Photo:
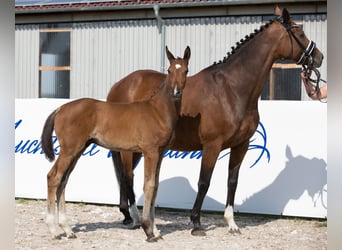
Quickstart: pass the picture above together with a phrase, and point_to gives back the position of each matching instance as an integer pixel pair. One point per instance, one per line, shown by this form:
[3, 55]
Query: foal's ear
[187, 53]
[169, 54]
[277, 11]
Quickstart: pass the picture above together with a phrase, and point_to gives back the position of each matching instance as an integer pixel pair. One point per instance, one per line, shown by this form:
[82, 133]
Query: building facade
[81, 49]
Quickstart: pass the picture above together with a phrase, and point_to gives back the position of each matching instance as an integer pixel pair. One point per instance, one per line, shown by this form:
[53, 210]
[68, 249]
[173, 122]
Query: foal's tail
[46, 138]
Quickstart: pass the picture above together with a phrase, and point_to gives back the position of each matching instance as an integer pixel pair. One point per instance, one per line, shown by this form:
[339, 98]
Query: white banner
[284, 171]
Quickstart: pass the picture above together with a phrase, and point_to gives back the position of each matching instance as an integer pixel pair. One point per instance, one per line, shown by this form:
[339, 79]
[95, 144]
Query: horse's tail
[46, 138]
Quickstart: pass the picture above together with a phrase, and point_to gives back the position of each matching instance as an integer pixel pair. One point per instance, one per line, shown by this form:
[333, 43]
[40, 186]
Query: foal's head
[177, 72]
[301, 49]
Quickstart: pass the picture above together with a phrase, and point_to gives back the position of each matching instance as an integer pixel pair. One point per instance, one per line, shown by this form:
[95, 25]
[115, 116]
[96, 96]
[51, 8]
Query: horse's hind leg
[236, 156]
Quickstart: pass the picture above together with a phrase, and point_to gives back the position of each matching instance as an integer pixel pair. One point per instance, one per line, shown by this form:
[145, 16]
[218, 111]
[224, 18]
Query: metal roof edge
[139, 6]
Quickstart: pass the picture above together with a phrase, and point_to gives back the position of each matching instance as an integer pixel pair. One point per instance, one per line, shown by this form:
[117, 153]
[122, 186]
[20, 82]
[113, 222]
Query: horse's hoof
[72, 236]
[127, 221]
[154, 238]
[198, 232]
[136, 226]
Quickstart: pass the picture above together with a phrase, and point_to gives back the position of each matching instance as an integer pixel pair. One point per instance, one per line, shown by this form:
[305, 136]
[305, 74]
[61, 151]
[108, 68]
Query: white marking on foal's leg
[156, 232]
[229, 217]
[50, 220]
[135, 214]
[63, 222]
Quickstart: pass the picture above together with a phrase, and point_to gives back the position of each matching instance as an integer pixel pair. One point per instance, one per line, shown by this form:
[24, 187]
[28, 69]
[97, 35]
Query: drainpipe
[161, 29]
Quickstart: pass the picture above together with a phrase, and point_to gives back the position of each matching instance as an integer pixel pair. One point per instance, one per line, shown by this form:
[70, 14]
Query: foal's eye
[169, 71]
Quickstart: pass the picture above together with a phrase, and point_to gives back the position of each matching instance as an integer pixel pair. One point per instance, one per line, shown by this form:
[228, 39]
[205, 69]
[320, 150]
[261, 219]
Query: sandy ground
[100, 227]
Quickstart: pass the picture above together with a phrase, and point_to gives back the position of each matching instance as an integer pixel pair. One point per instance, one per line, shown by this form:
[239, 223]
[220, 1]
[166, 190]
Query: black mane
[243, 41]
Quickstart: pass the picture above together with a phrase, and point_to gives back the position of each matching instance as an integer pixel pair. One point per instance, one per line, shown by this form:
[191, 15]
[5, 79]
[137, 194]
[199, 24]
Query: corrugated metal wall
[104, 52]
[26, 61]
[209, 38]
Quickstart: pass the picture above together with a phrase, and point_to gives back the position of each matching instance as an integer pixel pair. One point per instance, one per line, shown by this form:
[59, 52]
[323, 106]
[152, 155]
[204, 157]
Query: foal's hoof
[72, 236]
[56, 237]
[154, 238]
[234, 230]
[127, 221]
[198, 232]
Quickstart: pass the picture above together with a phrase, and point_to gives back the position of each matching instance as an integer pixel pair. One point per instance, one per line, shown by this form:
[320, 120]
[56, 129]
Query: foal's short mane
[245, 40]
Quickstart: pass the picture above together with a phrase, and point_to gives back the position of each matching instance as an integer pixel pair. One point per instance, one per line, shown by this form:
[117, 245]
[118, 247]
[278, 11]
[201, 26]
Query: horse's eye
[169, 71]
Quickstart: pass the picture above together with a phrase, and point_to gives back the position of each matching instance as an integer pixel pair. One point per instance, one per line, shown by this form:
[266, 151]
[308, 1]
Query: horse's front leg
[123, 165]
[209, 157]
[151, 178]
[236, 156]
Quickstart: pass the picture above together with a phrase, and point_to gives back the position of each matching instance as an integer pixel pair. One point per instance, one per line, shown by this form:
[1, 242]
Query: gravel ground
[100, 227]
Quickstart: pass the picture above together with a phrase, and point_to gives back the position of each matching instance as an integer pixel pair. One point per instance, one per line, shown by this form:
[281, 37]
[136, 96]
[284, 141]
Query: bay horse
[220, 105]
[145, 126]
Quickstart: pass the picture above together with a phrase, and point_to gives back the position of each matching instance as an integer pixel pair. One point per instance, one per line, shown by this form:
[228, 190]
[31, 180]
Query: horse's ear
[277, 11]
[187, 53]
[289, 154]
[286, 16]
[169, 54]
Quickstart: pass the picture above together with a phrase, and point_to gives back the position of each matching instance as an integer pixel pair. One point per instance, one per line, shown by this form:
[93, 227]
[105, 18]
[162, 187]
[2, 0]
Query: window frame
[42, 68]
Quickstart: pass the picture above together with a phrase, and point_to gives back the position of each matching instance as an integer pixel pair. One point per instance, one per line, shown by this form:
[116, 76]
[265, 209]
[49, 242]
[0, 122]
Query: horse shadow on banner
[299, 175]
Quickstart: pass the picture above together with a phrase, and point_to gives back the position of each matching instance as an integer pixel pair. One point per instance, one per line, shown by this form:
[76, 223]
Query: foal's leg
[151, 160]
[236, 156]
[54, 179]
[210, 154]
[152, 214]
[62, 218]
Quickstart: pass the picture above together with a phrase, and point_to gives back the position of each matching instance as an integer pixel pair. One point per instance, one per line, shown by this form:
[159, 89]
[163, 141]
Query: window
[54, 65]
[283, 83]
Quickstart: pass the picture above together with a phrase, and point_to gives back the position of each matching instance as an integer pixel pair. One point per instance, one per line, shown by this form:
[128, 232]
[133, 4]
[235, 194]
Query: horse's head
[295, 45]
[177, 72]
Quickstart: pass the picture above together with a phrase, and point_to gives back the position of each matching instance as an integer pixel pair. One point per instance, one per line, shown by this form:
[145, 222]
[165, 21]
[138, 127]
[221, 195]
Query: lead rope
[316, 81]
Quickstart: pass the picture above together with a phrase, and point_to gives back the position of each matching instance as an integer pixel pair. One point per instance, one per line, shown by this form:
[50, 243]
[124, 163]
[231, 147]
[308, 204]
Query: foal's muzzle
[176, 93]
